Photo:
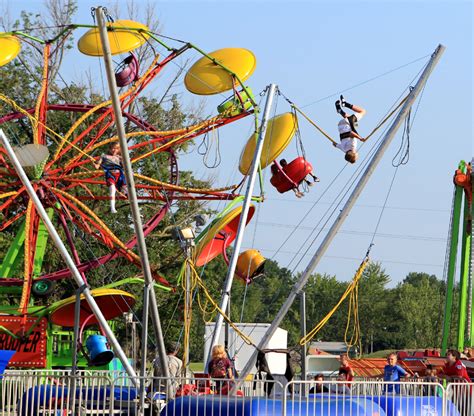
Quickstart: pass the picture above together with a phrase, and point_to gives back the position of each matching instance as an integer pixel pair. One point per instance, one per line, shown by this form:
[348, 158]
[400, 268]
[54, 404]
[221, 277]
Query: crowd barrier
[60, 393]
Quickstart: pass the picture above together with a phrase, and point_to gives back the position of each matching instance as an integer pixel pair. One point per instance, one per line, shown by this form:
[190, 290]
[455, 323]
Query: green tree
[374, 312]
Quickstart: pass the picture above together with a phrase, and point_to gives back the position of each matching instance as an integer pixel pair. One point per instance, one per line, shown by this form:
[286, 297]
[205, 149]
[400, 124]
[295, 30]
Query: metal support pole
[389, 135]
[304, 348]
[149, 293]
[471, 266]
[188, 303]
[67, 258]
[271, 89]
[453, 251]
[464, 286]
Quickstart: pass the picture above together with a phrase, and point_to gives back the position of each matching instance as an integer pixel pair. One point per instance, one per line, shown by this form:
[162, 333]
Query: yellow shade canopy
[120, 37]
[112, 302]
[220, 235]
[206, 77]
[10, 47]
[280, 131]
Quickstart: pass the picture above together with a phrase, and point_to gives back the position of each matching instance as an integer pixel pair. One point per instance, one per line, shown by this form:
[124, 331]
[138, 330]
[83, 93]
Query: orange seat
[291, 175]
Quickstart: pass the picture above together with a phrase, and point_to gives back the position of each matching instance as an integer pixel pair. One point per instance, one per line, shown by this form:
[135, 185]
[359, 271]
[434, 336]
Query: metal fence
[58, 393]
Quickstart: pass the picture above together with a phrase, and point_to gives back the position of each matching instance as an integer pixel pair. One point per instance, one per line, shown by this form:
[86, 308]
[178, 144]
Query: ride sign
[30, 349]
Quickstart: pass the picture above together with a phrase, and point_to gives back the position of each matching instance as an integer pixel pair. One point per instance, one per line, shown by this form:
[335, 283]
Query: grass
[196, 367]
[379, 354]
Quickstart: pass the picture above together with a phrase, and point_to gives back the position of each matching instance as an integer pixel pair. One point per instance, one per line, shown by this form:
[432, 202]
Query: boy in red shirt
[345, 367]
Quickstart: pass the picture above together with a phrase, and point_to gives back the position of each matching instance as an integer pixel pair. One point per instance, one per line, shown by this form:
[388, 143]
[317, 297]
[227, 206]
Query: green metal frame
[460, 205]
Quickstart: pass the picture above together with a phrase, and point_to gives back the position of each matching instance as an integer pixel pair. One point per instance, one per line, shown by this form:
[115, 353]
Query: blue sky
[313, 51]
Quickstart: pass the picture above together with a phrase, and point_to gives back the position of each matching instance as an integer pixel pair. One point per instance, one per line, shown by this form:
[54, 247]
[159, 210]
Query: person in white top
[347, 129]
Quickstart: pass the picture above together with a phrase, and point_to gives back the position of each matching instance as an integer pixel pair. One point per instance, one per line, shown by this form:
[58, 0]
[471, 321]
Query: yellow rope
[244, 337]
[34, 120]
[7, 194]
[183, 188]
[314, 124]
[23, 307]
[353, 317]
[370, 134]
[168, 144]
[386, 118]
[113, 237]
[352, 286]
[44, 84]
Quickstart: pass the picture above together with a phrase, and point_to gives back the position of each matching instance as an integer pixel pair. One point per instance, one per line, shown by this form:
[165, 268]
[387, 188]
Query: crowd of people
[453, 370]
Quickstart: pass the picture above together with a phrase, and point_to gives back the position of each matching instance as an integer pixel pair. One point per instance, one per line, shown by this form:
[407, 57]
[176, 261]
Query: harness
[352, 119]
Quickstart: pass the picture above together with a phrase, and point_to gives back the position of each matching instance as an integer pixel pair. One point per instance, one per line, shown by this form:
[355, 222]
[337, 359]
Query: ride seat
[291, 175]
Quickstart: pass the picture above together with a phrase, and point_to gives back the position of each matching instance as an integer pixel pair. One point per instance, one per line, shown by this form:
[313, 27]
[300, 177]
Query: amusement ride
[57, 145]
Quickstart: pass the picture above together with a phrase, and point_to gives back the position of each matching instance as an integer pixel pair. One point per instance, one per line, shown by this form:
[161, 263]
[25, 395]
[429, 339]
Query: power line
[357, 258]
[365, 233]
[361, 205]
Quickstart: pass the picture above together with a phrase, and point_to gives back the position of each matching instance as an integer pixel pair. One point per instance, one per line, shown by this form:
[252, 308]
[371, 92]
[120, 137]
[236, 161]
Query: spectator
[466, 353]
[220, 367]
[455, 371]
[393, 372]
[344, 360]
[175, 366]
[454, 368]
[340, 388]
[430, 377]
[319, 386]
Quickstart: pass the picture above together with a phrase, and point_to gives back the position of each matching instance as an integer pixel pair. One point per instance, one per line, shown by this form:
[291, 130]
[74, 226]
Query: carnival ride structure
[60, 167]
[460, 241]
[59, 162]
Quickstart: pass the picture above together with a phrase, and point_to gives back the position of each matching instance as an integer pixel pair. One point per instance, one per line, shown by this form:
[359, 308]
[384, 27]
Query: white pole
[299, 285]
[243, 219]
[148, 294]
[67, 258]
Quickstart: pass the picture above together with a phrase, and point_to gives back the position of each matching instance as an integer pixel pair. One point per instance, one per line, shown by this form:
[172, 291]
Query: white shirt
[344, 126]
[174, 366]
[347, 144]
[351, 142]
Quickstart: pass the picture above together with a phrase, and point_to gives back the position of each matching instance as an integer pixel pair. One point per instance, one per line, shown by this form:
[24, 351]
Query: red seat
[202, 382]
[291, 175]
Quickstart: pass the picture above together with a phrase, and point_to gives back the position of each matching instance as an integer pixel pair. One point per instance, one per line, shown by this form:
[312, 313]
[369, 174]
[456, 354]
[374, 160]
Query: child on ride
[111, 162]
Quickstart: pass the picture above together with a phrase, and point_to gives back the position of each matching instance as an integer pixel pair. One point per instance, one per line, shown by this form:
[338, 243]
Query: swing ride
[60, 166]
[59, 159]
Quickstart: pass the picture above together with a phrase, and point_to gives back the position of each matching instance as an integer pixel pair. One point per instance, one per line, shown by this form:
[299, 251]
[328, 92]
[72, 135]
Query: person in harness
[347, 129]
[111, 162]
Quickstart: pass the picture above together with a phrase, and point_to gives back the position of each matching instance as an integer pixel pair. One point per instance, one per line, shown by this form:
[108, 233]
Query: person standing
[175, 366]
[220, 367]
[346, 368]
[393, 372]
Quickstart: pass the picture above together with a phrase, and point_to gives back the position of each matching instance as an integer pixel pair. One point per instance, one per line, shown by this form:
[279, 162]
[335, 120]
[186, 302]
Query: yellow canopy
[10, 47]
[280, 131]
[206, 77]
[121, 40]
